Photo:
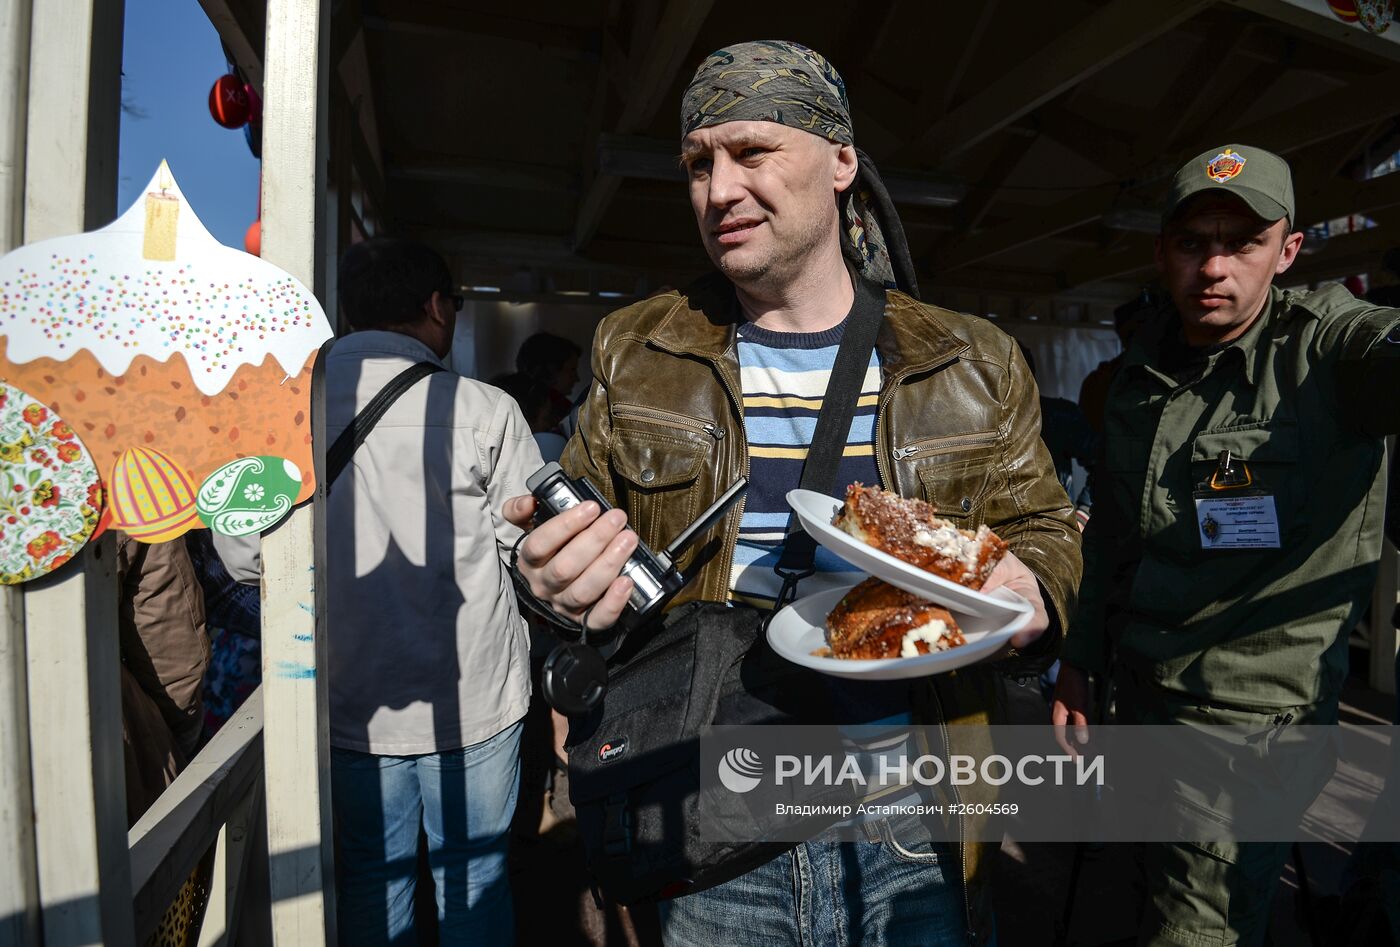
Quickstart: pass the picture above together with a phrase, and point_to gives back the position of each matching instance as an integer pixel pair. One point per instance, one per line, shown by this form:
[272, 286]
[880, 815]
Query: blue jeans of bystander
[464, 800]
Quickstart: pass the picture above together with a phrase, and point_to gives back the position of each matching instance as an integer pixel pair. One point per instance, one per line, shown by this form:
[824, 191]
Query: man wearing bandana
[694, 389]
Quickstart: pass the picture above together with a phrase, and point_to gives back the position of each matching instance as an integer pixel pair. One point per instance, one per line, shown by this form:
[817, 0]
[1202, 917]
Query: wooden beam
[234, 22]
[232, 857]
[296, 745]
[1329, 115]
[984, 191]
[175, 832]
[948, 95]
[1085, 207]
[70, 616]
[1099, 40]
[1133, 255]
[1315, 19]
[1215, 61]
[1341, 255]
[1099, 145]
[427, 19]
[71, 644]
[14, 111]
[653, 67]
[19, 894]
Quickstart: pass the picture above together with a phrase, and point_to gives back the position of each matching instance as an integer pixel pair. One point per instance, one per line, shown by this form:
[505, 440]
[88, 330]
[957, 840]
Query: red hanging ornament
[228, 102]
[1344, 10]
[254, 103]
[252, 240]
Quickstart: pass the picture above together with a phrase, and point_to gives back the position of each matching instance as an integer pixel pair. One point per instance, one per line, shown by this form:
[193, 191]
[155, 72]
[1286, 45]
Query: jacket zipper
[942, 445]
[668, 419]
[962, 825]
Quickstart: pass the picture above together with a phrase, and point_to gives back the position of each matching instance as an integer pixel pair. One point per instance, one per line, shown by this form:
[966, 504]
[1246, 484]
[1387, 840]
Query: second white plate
[800, 628]
[815, 510]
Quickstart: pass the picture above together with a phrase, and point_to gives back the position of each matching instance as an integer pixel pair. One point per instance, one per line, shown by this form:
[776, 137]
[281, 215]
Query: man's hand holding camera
[572, 561]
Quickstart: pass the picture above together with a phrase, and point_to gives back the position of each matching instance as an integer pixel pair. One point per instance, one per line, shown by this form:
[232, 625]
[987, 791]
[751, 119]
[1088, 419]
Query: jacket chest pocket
[1270, 449]
[656, 457]
[957, 474]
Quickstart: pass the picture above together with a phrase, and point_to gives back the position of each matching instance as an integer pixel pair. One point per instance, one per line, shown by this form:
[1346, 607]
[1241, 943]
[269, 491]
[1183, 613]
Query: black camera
[575, 675]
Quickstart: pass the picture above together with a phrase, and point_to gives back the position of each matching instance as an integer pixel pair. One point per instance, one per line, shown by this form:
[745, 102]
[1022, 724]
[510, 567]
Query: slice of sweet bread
[912, 531]
[877, 620]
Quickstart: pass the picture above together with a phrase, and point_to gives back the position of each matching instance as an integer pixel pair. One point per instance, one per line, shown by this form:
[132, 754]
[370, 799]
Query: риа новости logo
[740, 770]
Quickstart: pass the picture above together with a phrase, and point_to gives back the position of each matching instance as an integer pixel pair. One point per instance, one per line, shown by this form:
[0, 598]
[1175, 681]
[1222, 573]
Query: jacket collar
[368, 343]
[1246, 350]
[703, 323]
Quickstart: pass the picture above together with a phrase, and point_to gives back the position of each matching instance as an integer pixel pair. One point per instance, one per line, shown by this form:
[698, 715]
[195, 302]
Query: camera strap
[355, 433]
[833, 426]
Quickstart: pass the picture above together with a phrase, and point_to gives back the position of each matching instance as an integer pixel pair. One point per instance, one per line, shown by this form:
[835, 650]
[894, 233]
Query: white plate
[815, 510]
[798, 630]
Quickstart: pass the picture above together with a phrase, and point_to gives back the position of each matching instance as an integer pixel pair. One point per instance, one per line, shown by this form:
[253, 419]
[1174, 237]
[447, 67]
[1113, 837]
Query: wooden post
[296, 744]
[19, 892]
[1384, 598]
[70, 635]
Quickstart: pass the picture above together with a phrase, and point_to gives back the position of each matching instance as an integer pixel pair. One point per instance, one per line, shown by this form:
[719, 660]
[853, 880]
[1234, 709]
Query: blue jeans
[895, 887]
[464, 800]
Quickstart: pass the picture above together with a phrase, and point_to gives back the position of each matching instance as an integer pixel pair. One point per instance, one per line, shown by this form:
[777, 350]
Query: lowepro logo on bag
[612, 750]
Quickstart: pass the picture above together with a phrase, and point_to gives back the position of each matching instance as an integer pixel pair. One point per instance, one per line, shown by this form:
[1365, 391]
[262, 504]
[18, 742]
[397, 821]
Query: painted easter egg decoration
[152, 497]
[50, 492]
[1376, 14]
[248, 495]
[1344, 10]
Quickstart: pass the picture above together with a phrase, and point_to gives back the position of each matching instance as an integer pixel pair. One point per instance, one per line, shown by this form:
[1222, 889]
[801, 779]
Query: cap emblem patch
[1224, 166]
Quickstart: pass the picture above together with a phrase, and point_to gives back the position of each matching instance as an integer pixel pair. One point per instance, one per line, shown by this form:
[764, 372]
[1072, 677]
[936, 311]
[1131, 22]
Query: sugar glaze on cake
[911, 531]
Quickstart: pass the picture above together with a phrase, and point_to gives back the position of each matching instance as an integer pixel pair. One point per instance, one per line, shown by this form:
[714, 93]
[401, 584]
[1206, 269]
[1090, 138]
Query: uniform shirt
[1303, 397]
[427, 649]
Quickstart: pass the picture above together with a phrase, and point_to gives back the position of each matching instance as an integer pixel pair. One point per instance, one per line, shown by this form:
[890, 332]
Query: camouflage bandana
[789, 84]
[769, 81]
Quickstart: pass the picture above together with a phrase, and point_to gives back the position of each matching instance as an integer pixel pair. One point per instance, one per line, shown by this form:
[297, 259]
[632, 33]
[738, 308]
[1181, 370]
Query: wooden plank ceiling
[1027, 143]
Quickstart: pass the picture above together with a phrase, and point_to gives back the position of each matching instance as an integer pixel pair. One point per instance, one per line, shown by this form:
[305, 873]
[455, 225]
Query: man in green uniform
[1237, 518]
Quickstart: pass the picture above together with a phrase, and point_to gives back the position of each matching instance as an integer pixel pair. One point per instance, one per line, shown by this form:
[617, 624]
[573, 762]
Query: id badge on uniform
[1232, 511]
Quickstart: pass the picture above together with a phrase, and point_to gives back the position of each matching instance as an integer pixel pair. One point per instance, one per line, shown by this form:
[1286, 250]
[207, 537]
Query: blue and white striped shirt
[784, 377]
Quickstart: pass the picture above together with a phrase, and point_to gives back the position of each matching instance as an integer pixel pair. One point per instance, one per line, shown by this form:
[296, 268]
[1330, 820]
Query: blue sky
[171, 57]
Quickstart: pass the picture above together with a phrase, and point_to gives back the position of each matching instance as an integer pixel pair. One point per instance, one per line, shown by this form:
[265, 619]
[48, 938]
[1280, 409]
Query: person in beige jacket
[429, 657]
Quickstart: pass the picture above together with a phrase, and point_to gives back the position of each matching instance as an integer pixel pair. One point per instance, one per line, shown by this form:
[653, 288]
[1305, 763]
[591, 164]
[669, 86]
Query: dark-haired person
[551, 360]
[1237, 526]
[429, 657]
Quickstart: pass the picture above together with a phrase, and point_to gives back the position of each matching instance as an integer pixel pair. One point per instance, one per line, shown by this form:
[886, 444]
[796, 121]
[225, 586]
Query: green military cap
[1259, 178]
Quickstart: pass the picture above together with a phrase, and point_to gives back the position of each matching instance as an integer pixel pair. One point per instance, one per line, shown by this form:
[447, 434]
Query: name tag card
[1239, 522]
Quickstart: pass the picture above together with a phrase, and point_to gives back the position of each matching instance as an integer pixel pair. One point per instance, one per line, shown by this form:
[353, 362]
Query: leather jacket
[957, 424]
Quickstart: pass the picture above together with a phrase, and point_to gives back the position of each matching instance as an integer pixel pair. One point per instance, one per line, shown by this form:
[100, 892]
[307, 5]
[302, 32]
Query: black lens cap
[575, 678]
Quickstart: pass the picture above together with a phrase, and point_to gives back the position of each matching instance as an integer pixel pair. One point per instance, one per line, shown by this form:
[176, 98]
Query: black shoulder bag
[634, 762]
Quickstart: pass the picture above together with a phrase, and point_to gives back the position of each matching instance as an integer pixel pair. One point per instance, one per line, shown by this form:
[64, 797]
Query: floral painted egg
[248, 495]
[152, 497]
[1376, 14]
[50, 491]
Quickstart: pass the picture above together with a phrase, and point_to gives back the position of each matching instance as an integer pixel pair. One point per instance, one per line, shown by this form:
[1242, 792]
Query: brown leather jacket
[957, 424]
